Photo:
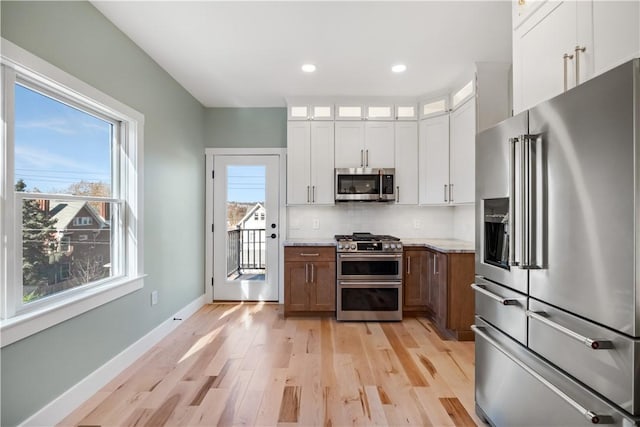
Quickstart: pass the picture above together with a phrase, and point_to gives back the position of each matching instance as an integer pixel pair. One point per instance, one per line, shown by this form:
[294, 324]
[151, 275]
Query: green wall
[246, 127]
[75, 37]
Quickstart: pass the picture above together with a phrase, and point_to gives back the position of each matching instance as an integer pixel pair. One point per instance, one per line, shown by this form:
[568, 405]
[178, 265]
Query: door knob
[273, 226]
[273, 235]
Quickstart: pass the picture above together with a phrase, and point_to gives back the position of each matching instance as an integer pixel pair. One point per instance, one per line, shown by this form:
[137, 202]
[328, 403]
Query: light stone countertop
[441, 245]
[311, 241]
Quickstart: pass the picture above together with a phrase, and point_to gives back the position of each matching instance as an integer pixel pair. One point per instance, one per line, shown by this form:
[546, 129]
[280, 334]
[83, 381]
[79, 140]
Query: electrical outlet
[154, 297]
[417, 223]
[316, 223]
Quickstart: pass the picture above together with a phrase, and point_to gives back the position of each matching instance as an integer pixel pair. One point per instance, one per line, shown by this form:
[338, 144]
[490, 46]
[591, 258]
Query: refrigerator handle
[524, 201]
[513, 260]
[534, 202]
[588, 414]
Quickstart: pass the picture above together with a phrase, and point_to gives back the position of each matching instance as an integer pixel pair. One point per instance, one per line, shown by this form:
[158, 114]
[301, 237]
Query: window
[82, 220]
[463, 94]
[70, 158]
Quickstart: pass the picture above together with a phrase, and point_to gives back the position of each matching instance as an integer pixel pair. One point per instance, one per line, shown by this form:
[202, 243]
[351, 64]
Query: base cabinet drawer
[606, 361]
[514, 387]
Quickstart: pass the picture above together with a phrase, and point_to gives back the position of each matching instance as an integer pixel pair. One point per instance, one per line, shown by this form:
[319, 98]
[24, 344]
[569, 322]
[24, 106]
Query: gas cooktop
[365, 237]
[367, 243]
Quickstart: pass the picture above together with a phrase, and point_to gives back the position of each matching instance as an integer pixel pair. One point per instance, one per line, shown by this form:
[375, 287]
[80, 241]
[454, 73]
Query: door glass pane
[246, 220]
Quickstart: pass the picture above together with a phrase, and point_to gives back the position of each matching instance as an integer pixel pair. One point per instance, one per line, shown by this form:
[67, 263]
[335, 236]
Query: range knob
[339, 246]
[392, 246]
[353, 246]
[385, 246]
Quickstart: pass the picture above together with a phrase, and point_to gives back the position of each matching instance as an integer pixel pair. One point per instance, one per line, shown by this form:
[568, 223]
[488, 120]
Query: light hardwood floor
[245, 364]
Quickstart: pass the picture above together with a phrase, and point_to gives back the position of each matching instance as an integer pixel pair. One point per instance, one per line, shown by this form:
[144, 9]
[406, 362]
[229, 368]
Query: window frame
[16, 321]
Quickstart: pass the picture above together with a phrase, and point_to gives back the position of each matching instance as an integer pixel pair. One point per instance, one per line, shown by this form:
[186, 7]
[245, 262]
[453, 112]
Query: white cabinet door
[539, 47]
[462, 153]
[379, 145]
[434, 160]
[349, 144]
[406, 147]
[322, 157]
[298, 165]
[616, 33]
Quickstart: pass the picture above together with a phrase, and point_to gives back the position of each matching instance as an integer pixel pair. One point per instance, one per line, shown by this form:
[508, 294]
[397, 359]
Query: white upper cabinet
[349, 144]
[406, 155]
[434, 107]
[379, 145]
[560, 44]
[349, 112]
[379, 112]
[300, 111]
[406, 111]
[434, 160]
[310, 155]
[462, 153]
[362, 144]
[616, 33]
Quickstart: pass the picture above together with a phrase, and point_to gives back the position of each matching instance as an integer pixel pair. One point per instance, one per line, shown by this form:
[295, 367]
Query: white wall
[464, 223]
[400, 221]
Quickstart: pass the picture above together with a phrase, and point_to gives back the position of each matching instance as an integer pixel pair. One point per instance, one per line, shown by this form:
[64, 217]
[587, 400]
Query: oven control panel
[368, 247]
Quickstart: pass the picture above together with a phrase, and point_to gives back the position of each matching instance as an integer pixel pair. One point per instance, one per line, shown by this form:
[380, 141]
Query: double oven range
[369, 277]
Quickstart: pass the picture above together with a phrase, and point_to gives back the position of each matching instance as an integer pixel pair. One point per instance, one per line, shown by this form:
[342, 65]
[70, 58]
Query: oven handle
[359, 284]
[365, 256]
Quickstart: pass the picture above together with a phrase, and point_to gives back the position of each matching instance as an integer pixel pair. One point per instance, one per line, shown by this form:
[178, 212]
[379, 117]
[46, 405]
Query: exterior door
[246, 228]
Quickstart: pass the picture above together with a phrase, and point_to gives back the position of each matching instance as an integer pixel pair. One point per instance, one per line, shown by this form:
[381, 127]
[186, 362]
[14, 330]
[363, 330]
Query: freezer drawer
[606, 361]
[502, 307]
[516, 388]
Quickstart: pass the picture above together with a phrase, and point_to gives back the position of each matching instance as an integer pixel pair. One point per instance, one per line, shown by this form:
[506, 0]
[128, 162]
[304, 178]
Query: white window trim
[16, 327]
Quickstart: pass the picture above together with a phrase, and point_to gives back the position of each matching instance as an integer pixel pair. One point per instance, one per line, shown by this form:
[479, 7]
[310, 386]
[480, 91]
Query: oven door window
[358, 184]
[370, 299]
[356, 268]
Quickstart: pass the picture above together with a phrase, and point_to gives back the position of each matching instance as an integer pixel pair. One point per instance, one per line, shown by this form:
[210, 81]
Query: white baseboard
[59, 408]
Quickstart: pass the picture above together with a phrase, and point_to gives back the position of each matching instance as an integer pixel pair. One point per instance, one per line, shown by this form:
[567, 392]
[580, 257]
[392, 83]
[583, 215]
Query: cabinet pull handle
[565, 58]
[306, 273]
[445, 193]
[313, 194]
[578, 49]
[589, 415]
[408, 265]
[592, 343]
[435, 264]
[397, 193]
[308, 196]
[361, 158]
[366, 158]
[451, 192]
[304, 254]
[312, 273]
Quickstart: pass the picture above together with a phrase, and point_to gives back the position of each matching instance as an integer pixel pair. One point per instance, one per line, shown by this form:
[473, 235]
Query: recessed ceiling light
[399, 68]
[308, 68]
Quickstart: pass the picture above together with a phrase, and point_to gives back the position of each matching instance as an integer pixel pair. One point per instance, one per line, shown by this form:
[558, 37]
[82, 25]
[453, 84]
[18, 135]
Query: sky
[245, 183]
[57, 145]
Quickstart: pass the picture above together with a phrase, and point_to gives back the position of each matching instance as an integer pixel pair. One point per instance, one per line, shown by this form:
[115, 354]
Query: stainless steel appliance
[369, 277]
[558, 259]
[365, 185]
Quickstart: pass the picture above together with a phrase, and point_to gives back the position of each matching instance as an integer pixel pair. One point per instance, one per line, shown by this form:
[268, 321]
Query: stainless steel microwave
[365, 185]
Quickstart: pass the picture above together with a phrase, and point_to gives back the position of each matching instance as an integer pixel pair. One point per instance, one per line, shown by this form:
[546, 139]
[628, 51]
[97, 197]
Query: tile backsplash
[397, 220]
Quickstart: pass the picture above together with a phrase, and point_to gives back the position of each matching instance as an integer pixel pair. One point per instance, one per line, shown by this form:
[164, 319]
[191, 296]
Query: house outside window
[71, 156]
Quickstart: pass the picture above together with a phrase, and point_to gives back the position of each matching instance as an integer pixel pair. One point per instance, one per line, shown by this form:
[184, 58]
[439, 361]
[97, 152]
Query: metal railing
[245, 250]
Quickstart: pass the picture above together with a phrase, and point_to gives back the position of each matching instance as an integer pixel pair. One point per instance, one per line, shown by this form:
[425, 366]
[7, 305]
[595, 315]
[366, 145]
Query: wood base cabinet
[438, 284]
[309, 280]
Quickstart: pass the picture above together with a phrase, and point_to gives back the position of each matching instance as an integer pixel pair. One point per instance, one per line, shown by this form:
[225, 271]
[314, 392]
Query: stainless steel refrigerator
[558, 259]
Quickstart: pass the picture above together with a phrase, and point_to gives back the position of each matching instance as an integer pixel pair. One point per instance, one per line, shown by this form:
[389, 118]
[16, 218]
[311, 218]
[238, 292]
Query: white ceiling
[249, 54]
